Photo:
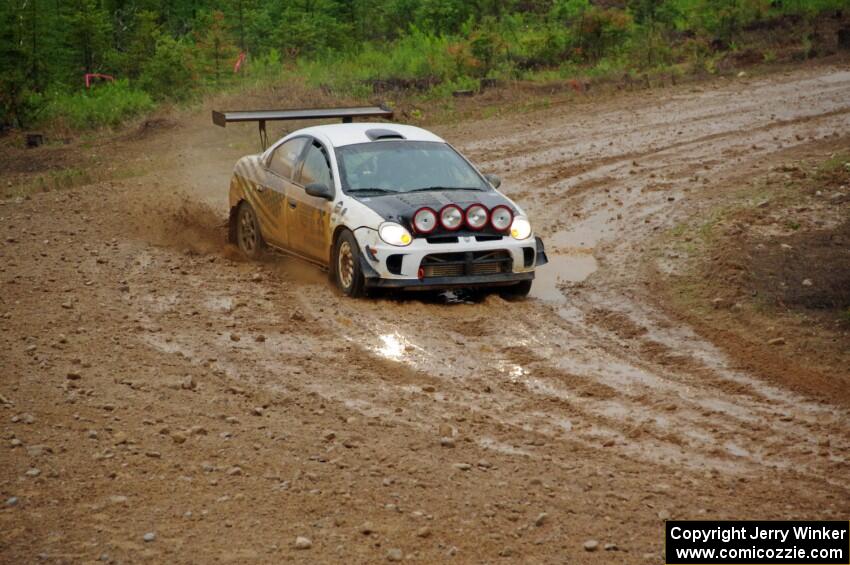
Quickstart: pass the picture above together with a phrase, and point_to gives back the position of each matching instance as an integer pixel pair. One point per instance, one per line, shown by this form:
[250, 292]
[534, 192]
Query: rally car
[380, 205]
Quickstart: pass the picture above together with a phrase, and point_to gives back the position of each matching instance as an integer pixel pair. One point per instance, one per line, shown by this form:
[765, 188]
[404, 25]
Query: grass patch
[103, 105]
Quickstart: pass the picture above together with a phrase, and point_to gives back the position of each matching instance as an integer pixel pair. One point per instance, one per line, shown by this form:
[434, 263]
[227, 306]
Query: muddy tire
[247, 232]
[516, 291]
[347, 273]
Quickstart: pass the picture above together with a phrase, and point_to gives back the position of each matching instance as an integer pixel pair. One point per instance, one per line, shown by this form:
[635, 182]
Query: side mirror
[494, 180]
[319, 190]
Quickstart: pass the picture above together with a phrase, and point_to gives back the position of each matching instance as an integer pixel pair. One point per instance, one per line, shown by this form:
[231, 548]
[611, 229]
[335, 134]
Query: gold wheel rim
[345, 265]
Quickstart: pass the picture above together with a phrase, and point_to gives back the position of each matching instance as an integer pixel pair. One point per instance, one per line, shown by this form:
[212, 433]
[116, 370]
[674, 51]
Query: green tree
[442, 16]
[311, 26]
[89, 33]
[12, 78]
[239, 15]
[214, 44]
[653, 17]
[724, 19]
[568, 11]
[142, 42]
[170, 73]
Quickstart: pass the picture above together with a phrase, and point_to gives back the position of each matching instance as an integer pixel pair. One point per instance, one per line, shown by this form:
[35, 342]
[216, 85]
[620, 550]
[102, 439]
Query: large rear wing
[263, 116]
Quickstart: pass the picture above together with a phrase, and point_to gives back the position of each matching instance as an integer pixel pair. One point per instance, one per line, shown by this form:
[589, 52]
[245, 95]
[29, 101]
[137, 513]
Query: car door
[308, 217]
[279, 170]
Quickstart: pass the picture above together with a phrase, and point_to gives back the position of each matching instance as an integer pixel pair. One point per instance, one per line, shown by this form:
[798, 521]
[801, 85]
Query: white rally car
[380, 205]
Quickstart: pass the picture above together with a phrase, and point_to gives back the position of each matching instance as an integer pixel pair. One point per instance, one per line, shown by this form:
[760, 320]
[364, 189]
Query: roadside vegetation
[179, 51]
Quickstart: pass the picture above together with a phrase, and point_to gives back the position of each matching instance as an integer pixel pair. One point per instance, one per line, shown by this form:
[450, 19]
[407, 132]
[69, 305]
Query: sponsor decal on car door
[308, 216]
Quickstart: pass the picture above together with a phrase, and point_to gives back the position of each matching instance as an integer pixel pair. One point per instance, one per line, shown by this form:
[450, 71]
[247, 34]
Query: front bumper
[465, 281]
[388, 266]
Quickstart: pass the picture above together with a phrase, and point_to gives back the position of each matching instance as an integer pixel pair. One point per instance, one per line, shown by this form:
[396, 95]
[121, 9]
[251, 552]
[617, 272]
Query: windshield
[405, 166]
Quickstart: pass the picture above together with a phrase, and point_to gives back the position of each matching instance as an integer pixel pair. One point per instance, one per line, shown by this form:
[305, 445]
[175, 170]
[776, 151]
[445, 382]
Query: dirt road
[156, 385]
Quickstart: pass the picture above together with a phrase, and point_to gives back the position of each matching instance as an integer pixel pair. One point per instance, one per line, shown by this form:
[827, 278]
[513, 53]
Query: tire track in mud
[634, 408]
[691, 113]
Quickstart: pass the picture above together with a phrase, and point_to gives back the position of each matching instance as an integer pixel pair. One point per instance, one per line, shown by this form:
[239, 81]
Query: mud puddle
[569, 262]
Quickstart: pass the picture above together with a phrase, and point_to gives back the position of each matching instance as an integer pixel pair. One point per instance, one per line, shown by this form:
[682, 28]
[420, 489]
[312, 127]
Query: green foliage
[214, 47]
[810, 7]
[12, 72]
[444, 15]
[141, 45]
[415, 56]
[266, 67]
[568, 11]
[88, 34]
[598, 31]
[546, 46]
[181, 49]
[310, 28]
[169, 74]
[725, 18]
[103, 105]
[652, 12]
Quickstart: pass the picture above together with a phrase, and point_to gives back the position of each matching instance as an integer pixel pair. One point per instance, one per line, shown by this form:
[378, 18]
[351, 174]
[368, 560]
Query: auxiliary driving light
[425, 220]
[476, 217]
[451, 217]
[501, 218]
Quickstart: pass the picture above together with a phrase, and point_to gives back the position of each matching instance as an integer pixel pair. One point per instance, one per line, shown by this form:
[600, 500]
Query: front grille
[468, 263]
[487, 269]
[443, 239]
[432, 271]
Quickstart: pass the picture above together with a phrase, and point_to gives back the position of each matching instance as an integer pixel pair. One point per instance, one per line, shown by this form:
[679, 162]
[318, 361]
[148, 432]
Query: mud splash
[177, 221]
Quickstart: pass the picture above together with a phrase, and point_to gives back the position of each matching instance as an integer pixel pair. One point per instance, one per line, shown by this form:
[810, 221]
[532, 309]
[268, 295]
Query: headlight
[394, 234]
[500, 217]
[520, 228]
[476, 216]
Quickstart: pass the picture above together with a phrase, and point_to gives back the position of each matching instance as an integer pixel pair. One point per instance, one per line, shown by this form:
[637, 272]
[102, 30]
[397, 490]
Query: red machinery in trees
[91, 77]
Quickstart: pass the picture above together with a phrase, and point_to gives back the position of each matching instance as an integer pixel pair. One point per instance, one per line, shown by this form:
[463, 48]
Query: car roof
[339, 135]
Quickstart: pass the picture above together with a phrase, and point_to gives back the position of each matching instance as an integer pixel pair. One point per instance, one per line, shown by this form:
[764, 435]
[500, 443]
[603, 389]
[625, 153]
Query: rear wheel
[346, 266]
[248, 236]
[516, 291]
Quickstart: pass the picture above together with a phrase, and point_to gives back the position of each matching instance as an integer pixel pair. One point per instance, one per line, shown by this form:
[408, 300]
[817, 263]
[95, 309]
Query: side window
[316, 167]
[285, 157]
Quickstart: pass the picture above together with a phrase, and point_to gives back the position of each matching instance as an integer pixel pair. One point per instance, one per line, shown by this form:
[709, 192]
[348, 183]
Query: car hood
[401, 207]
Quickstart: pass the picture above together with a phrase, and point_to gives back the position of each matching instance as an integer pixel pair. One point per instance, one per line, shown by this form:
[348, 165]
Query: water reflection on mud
[392, 346]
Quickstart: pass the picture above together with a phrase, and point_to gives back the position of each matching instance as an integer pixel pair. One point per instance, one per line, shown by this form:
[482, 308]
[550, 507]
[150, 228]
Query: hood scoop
[379, 134]
[417, 199]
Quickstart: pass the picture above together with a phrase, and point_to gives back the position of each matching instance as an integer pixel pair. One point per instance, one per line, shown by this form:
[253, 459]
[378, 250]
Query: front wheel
[516, 291]
[346, 266]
